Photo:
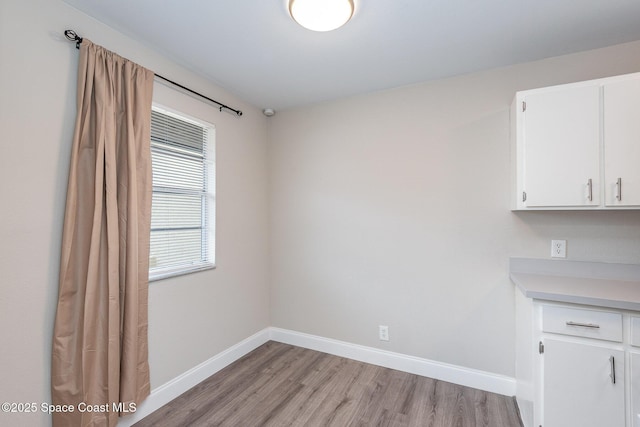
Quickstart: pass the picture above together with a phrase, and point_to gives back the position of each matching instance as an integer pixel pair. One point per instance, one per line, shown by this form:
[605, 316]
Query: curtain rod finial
[73, 37]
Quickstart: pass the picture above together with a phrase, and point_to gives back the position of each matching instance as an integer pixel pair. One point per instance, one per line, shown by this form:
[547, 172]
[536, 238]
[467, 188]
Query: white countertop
[598, 284]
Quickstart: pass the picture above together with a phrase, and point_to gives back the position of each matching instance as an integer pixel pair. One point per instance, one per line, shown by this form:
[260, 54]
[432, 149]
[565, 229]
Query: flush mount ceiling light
[321, 15]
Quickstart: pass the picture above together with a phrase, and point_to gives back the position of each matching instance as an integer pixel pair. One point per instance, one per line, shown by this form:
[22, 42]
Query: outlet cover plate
[558, 249]
[383, 333]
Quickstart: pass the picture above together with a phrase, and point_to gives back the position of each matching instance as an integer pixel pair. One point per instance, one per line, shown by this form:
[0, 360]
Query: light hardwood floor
[282, 385]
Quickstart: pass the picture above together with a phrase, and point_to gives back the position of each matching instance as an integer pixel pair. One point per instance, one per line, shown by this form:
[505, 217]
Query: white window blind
[182, 204]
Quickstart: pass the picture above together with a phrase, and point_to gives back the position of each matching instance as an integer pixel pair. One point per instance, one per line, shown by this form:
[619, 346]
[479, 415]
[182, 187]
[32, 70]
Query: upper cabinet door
[621, 107]
[561, 132]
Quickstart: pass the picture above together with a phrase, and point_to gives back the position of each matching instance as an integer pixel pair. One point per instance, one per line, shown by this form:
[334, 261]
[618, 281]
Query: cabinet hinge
[541, 347]
[524, 196]
[524, 106]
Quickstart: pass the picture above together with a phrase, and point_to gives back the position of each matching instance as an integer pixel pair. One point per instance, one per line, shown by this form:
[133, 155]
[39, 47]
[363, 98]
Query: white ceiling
[255, 50]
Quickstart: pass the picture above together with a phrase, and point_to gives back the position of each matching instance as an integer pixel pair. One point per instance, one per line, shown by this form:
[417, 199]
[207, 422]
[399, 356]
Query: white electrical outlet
[383, 333]
[558, 249]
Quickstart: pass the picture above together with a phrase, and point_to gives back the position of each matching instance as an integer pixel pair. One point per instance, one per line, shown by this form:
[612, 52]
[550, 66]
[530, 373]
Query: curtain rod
[74, 37]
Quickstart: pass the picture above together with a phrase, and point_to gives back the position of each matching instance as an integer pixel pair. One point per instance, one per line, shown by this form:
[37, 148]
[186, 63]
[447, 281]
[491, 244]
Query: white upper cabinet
[577, 146]
[621, 107]
[562, 147]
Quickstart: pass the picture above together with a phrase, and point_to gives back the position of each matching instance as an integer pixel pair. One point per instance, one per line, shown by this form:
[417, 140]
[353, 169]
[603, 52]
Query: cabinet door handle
[612, 375]
[583, 325]
[590, 188]
[619, 189]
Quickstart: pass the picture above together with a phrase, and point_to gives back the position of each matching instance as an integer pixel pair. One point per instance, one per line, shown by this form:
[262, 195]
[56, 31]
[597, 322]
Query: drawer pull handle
[612, 375]
[583, 325]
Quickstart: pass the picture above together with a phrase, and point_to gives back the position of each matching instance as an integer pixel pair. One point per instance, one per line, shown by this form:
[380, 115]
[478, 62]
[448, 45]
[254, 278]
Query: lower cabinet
[577, 366]
[634, 357]
[635, 389]
[583, 385]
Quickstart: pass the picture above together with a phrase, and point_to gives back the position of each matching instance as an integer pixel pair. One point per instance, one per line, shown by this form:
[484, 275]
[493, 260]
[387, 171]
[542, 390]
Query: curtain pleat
[100, 350]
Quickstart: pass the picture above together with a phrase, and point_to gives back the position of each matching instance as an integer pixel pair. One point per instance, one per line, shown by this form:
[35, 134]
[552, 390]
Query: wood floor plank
[281, 385]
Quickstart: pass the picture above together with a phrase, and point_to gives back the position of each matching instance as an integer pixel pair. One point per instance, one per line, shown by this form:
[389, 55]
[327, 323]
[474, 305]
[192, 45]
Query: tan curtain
[100, 334]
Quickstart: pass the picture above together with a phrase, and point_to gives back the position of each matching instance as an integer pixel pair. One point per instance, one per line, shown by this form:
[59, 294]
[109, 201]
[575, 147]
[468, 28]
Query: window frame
[208, 210]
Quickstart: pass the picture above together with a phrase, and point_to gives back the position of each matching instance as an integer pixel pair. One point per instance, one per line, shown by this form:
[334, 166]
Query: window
[183, 203]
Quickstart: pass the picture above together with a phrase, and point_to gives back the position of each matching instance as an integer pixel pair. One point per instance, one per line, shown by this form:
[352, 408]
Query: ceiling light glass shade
[321, 15]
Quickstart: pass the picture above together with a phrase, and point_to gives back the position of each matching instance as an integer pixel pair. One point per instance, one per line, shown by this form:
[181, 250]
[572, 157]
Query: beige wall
[393, 208]
[191, 318]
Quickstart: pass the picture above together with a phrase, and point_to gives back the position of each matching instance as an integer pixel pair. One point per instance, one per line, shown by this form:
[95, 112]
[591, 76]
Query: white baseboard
[174, 388]
[415, 365]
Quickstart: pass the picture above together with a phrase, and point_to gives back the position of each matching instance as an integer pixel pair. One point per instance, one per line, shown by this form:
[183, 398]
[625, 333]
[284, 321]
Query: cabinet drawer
[582, 323]
[635, 332]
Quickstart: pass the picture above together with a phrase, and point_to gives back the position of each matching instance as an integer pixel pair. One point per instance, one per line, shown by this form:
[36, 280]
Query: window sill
[165, 274]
